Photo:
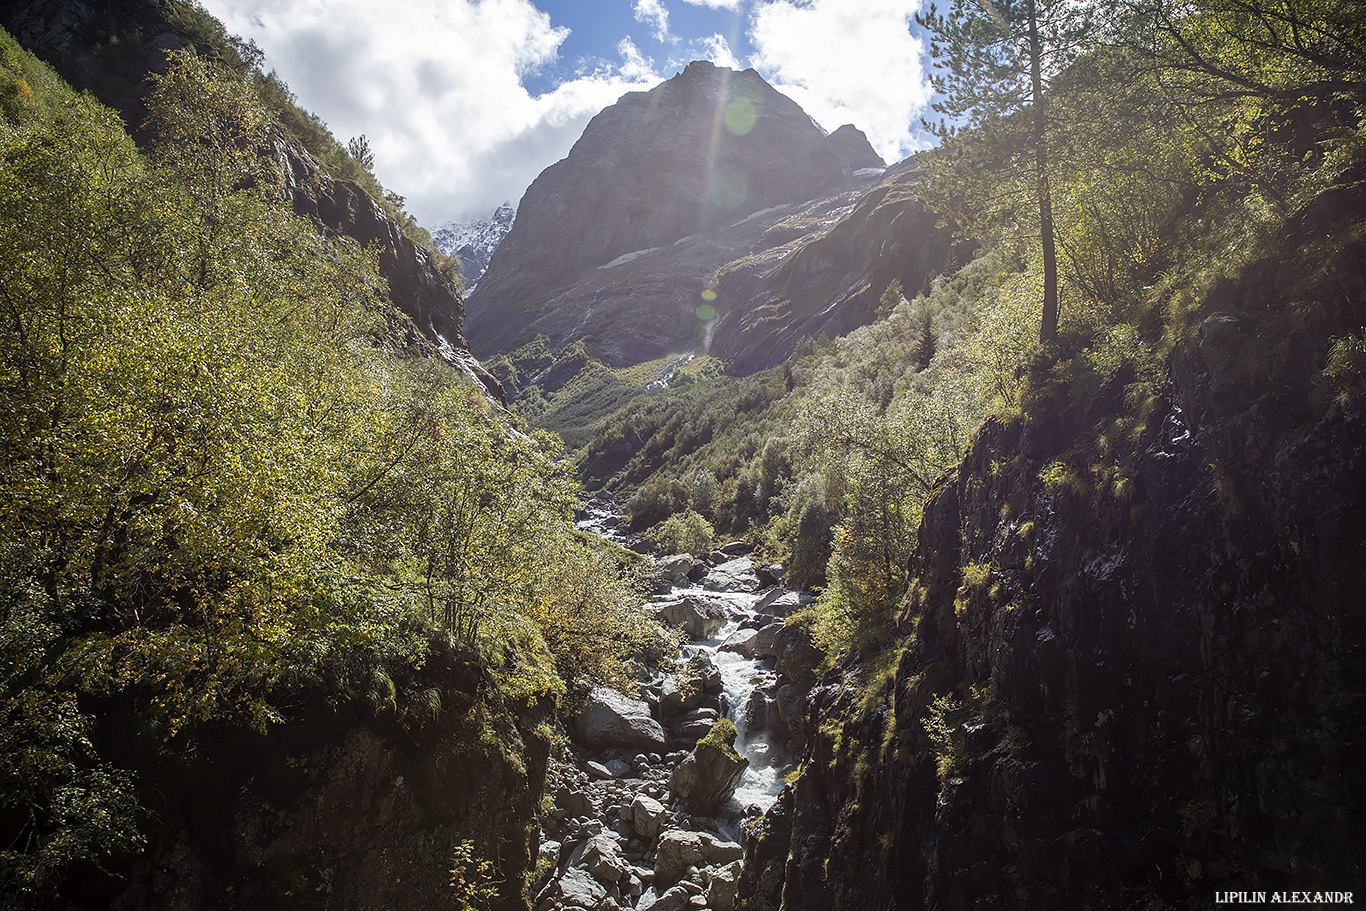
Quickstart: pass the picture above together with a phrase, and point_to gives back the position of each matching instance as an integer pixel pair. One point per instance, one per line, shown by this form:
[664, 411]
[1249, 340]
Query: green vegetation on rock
[235, 495]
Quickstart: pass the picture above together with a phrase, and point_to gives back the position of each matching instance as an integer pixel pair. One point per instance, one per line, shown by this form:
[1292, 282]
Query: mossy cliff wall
[1132, 662]
[341, 807]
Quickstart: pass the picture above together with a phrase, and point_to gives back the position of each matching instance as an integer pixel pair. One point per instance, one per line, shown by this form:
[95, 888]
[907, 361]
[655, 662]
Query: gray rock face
[722, 887]
[732, 576]
[780, 602]
[679, 849]
[574, 802]
[647, 816]
[741, 642]
[831, 281]
[689, 732]
[577, 888]
[610, 719]
[601, 856]
[707, 777]
[649, 170]
[674, 899]
[852, 147]
[674, 564]
[700, 620]
[765, 644]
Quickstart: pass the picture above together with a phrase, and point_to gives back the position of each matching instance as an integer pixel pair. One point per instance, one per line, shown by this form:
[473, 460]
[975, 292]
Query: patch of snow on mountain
[627, 257]
[473, 242]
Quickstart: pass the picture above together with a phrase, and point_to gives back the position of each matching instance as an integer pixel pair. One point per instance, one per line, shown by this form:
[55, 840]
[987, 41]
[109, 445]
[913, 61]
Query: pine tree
[359, 147]
[996, 59]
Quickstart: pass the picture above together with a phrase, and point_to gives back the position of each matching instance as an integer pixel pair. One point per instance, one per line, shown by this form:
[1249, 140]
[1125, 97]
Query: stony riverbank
[648, 799]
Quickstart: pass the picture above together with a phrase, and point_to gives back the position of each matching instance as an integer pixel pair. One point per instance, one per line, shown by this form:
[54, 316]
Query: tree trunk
[1048, 324]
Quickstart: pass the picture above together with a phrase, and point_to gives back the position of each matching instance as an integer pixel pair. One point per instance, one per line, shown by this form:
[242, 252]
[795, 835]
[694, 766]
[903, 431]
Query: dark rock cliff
[1134, 651]
[701, 150]
[341, 208]
[344, 807]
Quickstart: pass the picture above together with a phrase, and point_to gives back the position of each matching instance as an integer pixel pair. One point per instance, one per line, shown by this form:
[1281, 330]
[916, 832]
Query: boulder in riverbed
[673, 565]
[575, 888]
[708, 776]
[699, 619]
[723, 885]
[601, 856]
[610, 719]
[741, 642]
[732, 576]
[647, 816]
[680, 849]
[686, 687]
[781, 602]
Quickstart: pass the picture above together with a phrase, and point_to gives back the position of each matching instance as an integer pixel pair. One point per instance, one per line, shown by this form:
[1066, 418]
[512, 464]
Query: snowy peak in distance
[473, 242]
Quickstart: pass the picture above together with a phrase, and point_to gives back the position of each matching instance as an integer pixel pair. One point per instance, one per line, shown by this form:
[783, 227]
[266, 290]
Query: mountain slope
[828, 280]
[1128, 669]
[699, 152]
[111, 47]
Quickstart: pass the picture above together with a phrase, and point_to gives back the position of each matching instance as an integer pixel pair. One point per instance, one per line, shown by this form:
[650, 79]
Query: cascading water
[740, 677]
[640, 818]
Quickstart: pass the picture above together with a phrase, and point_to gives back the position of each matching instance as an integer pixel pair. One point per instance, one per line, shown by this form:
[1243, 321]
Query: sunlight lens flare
[741, 115]
[728, 188]
[706, 312]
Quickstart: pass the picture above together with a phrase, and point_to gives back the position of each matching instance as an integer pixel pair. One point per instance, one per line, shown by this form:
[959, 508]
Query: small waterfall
[740, 677]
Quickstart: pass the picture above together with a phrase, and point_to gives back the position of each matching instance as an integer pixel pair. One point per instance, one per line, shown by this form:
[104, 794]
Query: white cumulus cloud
[847, 62]
[654, 14]
[437, 88]
[714, 48]
[718, 4]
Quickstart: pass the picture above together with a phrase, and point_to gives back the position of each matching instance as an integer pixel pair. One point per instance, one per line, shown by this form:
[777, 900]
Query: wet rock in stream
[645, 818]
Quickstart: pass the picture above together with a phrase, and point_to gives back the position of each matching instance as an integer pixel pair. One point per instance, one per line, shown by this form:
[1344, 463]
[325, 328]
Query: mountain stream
[640, 820]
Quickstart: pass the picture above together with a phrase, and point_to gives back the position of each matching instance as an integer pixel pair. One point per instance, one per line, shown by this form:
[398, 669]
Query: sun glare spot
[741, 116]
[708, 295]
[727, 189]
[706, 313]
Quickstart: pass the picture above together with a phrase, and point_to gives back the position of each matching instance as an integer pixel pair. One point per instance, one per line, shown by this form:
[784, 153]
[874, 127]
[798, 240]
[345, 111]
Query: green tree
[359, 147]
[892, 296]
[996, 60]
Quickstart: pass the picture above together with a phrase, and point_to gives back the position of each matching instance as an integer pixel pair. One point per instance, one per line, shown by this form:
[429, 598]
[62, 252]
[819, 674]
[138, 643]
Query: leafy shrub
[685, 532]
[654, 502]
[1345, 368]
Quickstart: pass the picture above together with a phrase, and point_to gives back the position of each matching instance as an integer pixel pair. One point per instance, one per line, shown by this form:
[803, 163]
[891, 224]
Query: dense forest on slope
[237, 497]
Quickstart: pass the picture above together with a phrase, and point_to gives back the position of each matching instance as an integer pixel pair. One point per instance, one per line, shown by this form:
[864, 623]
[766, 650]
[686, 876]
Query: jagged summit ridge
[473, 241]
[852, 146]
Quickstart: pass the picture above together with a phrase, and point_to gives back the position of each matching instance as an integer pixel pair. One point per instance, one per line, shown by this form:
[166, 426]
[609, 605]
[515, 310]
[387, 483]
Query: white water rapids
[740, 676]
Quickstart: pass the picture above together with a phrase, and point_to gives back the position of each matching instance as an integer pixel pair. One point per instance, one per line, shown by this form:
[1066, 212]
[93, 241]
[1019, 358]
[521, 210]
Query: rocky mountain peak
[704, 149]
[852, 146]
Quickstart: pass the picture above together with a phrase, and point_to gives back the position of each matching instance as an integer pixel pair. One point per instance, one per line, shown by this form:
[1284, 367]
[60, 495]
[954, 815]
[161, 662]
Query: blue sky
[466, 101]
[595, 30]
